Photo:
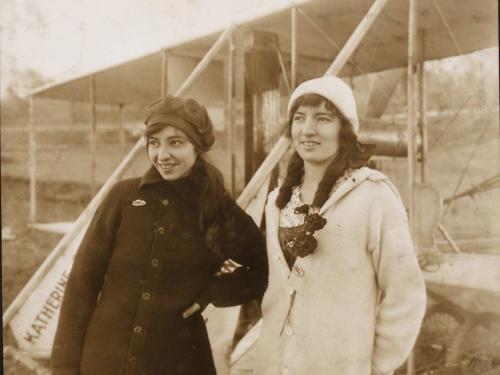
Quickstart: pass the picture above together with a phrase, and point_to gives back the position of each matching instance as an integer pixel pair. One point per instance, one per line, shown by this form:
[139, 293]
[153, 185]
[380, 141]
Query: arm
[84, 284]
[247, 282]
[403, 298]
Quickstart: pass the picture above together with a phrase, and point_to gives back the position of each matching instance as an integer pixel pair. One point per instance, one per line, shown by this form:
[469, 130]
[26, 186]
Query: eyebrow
[172, 137]
[329, 113]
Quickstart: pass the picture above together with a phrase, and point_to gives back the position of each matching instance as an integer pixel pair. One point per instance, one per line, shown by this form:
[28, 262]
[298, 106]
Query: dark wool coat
[142, 262]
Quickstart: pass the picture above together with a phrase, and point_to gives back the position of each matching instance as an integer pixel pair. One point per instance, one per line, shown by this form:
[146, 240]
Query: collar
[353, 180]
[151, 177]
[184, 187]
[349, 182]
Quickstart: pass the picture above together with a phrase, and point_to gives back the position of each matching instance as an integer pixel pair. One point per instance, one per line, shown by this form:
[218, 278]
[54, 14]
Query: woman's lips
[167, 166]
[309, 144]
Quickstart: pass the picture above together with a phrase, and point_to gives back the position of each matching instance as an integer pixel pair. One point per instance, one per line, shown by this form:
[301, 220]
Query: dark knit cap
[184, 114]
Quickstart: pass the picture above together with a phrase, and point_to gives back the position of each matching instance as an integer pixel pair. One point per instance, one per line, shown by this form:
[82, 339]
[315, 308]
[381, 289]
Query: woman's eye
[324, 119]
[176, 143]
[298, 118]
[153, 143]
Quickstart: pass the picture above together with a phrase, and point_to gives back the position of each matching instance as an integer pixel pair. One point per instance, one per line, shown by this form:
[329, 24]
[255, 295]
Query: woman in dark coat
[148, 264]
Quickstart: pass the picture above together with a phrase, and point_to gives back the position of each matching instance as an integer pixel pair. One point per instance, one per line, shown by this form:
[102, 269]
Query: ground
[22, 256]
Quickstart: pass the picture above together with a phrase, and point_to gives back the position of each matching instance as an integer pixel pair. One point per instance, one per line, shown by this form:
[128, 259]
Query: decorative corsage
[303, 242]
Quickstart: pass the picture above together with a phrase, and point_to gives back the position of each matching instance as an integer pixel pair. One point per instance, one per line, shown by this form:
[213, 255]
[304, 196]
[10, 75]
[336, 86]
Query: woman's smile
[309, 145]
[167, 166]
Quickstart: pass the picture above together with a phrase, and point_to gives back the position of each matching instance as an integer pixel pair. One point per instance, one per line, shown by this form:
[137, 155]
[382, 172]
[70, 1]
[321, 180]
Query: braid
[294, 173]
[334, 170]
[215, 207]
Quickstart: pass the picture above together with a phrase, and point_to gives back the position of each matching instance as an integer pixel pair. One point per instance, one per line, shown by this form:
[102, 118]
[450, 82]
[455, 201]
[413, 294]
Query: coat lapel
[272, 225]
[357, 178]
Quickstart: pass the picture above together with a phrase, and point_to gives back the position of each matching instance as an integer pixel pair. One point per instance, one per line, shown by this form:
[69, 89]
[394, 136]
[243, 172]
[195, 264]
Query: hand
[227, 267]
[191, 310]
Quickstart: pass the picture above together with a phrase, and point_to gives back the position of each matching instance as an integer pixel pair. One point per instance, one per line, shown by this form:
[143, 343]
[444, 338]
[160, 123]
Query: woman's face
[315, 133]
[171, 153]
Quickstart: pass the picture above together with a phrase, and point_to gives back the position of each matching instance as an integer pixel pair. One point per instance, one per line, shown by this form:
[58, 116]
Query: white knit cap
[333, 89]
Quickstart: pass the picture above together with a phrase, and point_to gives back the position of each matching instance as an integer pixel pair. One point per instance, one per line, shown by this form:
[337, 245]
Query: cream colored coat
[360, 301]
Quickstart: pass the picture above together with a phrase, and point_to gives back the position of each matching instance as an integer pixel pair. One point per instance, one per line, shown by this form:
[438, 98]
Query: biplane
[246, 71]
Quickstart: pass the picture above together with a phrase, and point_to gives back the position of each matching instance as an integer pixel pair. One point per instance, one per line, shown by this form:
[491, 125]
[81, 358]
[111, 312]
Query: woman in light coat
[345, 295]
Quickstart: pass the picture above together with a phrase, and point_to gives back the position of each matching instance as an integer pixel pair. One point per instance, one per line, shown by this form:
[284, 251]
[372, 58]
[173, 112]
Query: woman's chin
[169, 175]
[316, 159]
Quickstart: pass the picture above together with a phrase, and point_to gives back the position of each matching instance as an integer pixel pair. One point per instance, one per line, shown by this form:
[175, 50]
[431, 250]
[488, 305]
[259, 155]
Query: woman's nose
[309, 126]
[164, 153]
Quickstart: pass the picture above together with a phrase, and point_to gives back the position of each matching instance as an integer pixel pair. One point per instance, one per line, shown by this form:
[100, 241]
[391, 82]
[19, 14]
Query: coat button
[298, 270]
[155, 262]
[137, 329]
[165, 202]
[132, 360]
[146, 296]
[290, 290]
[161, 230]
[289, 331]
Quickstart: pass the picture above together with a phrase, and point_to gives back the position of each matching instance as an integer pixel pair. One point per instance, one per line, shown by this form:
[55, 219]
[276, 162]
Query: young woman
[147, 265]
[345, 292]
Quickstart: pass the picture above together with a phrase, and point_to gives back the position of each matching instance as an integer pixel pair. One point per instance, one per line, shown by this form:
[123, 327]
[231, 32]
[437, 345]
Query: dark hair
[215, 205]
[350, 154]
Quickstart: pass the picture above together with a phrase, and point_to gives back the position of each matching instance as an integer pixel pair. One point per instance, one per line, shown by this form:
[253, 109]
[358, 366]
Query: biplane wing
[473, 25]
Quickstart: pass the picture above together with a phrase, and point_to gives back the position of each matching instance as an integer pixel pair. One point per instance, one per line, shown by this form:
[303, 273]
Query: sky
[63, 37]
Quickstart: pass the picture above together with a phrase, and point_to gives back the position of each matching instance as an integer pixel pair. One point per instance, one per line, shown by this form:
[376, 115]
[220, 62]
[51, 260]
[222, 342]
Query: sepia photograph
[250, 187]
